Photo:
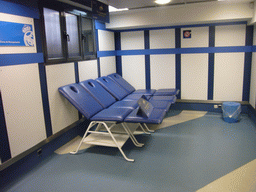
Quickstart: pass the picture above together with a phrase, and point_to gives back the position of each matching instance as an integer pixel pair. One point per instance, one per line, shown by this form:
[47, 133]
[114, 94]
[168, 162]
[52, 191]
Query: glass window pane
[53, 33]
[88, 38]
[73, 39]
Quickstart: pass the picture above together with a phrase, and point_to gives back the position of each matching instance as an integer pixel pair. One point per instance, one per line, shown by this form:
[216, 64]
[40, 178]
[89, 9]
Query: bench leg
[134, 140]
[144, 129]
[148, 128]
[120, 149]
[89, 127]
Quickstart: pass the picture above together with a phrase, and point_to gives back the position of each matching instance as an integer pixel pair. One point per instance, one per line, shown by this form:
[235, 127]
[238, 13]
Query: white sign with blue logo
[16, 34]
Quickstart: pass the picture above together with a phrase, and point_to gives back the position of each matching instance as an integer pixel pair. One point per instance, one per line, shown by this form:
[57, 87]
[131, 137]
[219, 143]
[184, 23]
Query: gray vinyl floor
[179, 157]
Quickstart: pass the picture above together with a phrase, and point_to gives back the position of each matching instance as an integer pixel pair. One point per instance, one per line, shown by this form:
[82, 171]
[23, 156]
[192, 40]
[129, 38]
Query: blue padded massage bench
[102, 96]
[102, 109]
[106, 99]
[121, 94]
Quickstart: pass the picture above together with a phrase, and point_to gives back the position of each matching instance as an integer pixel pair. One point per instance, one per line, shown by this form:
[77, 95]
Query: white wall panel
[253, 81]
[107, 65]
[162, 70]
[88, 69]
[160, 39]
[62, 112]
[199, 37]
[194, 76]
[106, 40]
[230, 35]
[23, 108]
[133, 70]
[17, 49]
[254, 33]
[228, 76]
[253, 73]
[132, 40]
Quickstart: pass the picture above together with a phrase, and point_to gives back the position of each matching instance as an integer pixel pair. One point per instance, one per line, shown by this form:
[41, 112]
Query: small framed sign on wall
[186, 34]
[16, 34]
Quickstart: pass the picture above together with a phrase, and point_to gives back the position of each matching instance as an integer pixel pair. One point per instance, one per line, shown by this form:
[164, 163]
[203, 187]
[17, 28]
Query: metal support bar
[152, 131]
[134, 140]
[144, 129]
[109, 133]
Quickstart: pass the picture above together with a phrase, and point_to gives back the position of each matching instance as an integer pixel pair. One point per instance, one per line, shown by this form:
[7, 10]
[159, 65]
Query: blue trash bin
[231, 111]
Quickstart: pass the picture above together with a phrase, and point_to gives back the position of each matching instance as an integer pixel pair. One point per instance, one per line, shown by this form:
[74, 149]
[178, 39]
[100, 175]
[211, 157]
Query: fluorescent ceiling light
[162, 2]
[113, 9]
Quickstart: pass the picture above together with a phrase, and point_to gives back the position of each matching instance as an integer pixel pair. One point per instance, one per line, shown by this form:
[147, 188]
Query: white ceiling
[136, 4]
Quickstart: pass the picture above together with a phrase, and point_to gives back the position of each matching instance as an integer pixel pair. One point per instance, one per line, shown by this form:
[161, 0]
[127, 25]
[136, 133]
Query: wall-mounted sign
[186, 34]
[16, 34]
[100, 11]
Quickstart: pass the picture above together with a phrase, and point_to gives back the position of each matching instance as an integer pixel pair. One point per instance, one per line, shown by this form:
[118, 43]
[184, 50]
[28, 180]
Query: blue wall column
[147, 60]
[5, 152]
[118, 48]
[45, 99]
[178, 60]
[211, 63]
[77, 81]
[247, 64]
[97, 47]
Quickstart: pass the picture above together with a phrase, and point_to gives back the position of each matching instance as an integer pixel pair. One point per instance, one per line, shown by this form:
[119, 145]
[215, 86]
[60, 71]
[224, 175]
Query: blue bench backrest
[81, 100]
[121, 81]
[98, 92]
[112, 87]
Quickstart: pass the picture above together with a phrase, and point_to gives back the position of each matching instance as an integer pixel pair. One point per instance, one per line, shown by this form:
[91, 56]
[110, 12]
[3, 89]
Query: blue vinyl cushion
[98, 92]
[122, 82]
[145, 91]
[132, 97]
[171, 99]
[112, 114]
[112, 87]
[125, 104]
[166, 92]
[130, 89]
[81, 100]
[91, 99]
[89, 107]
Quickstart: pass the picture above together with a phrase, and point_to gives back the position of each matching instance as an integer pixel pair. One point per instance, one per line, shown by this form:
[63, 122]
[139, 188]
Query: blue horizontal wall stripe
[106, 53]
[230, 49]
[185, 50]
[178, 51]
[102, 26]
[99, 25]
[18, 59]
[17, 9]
